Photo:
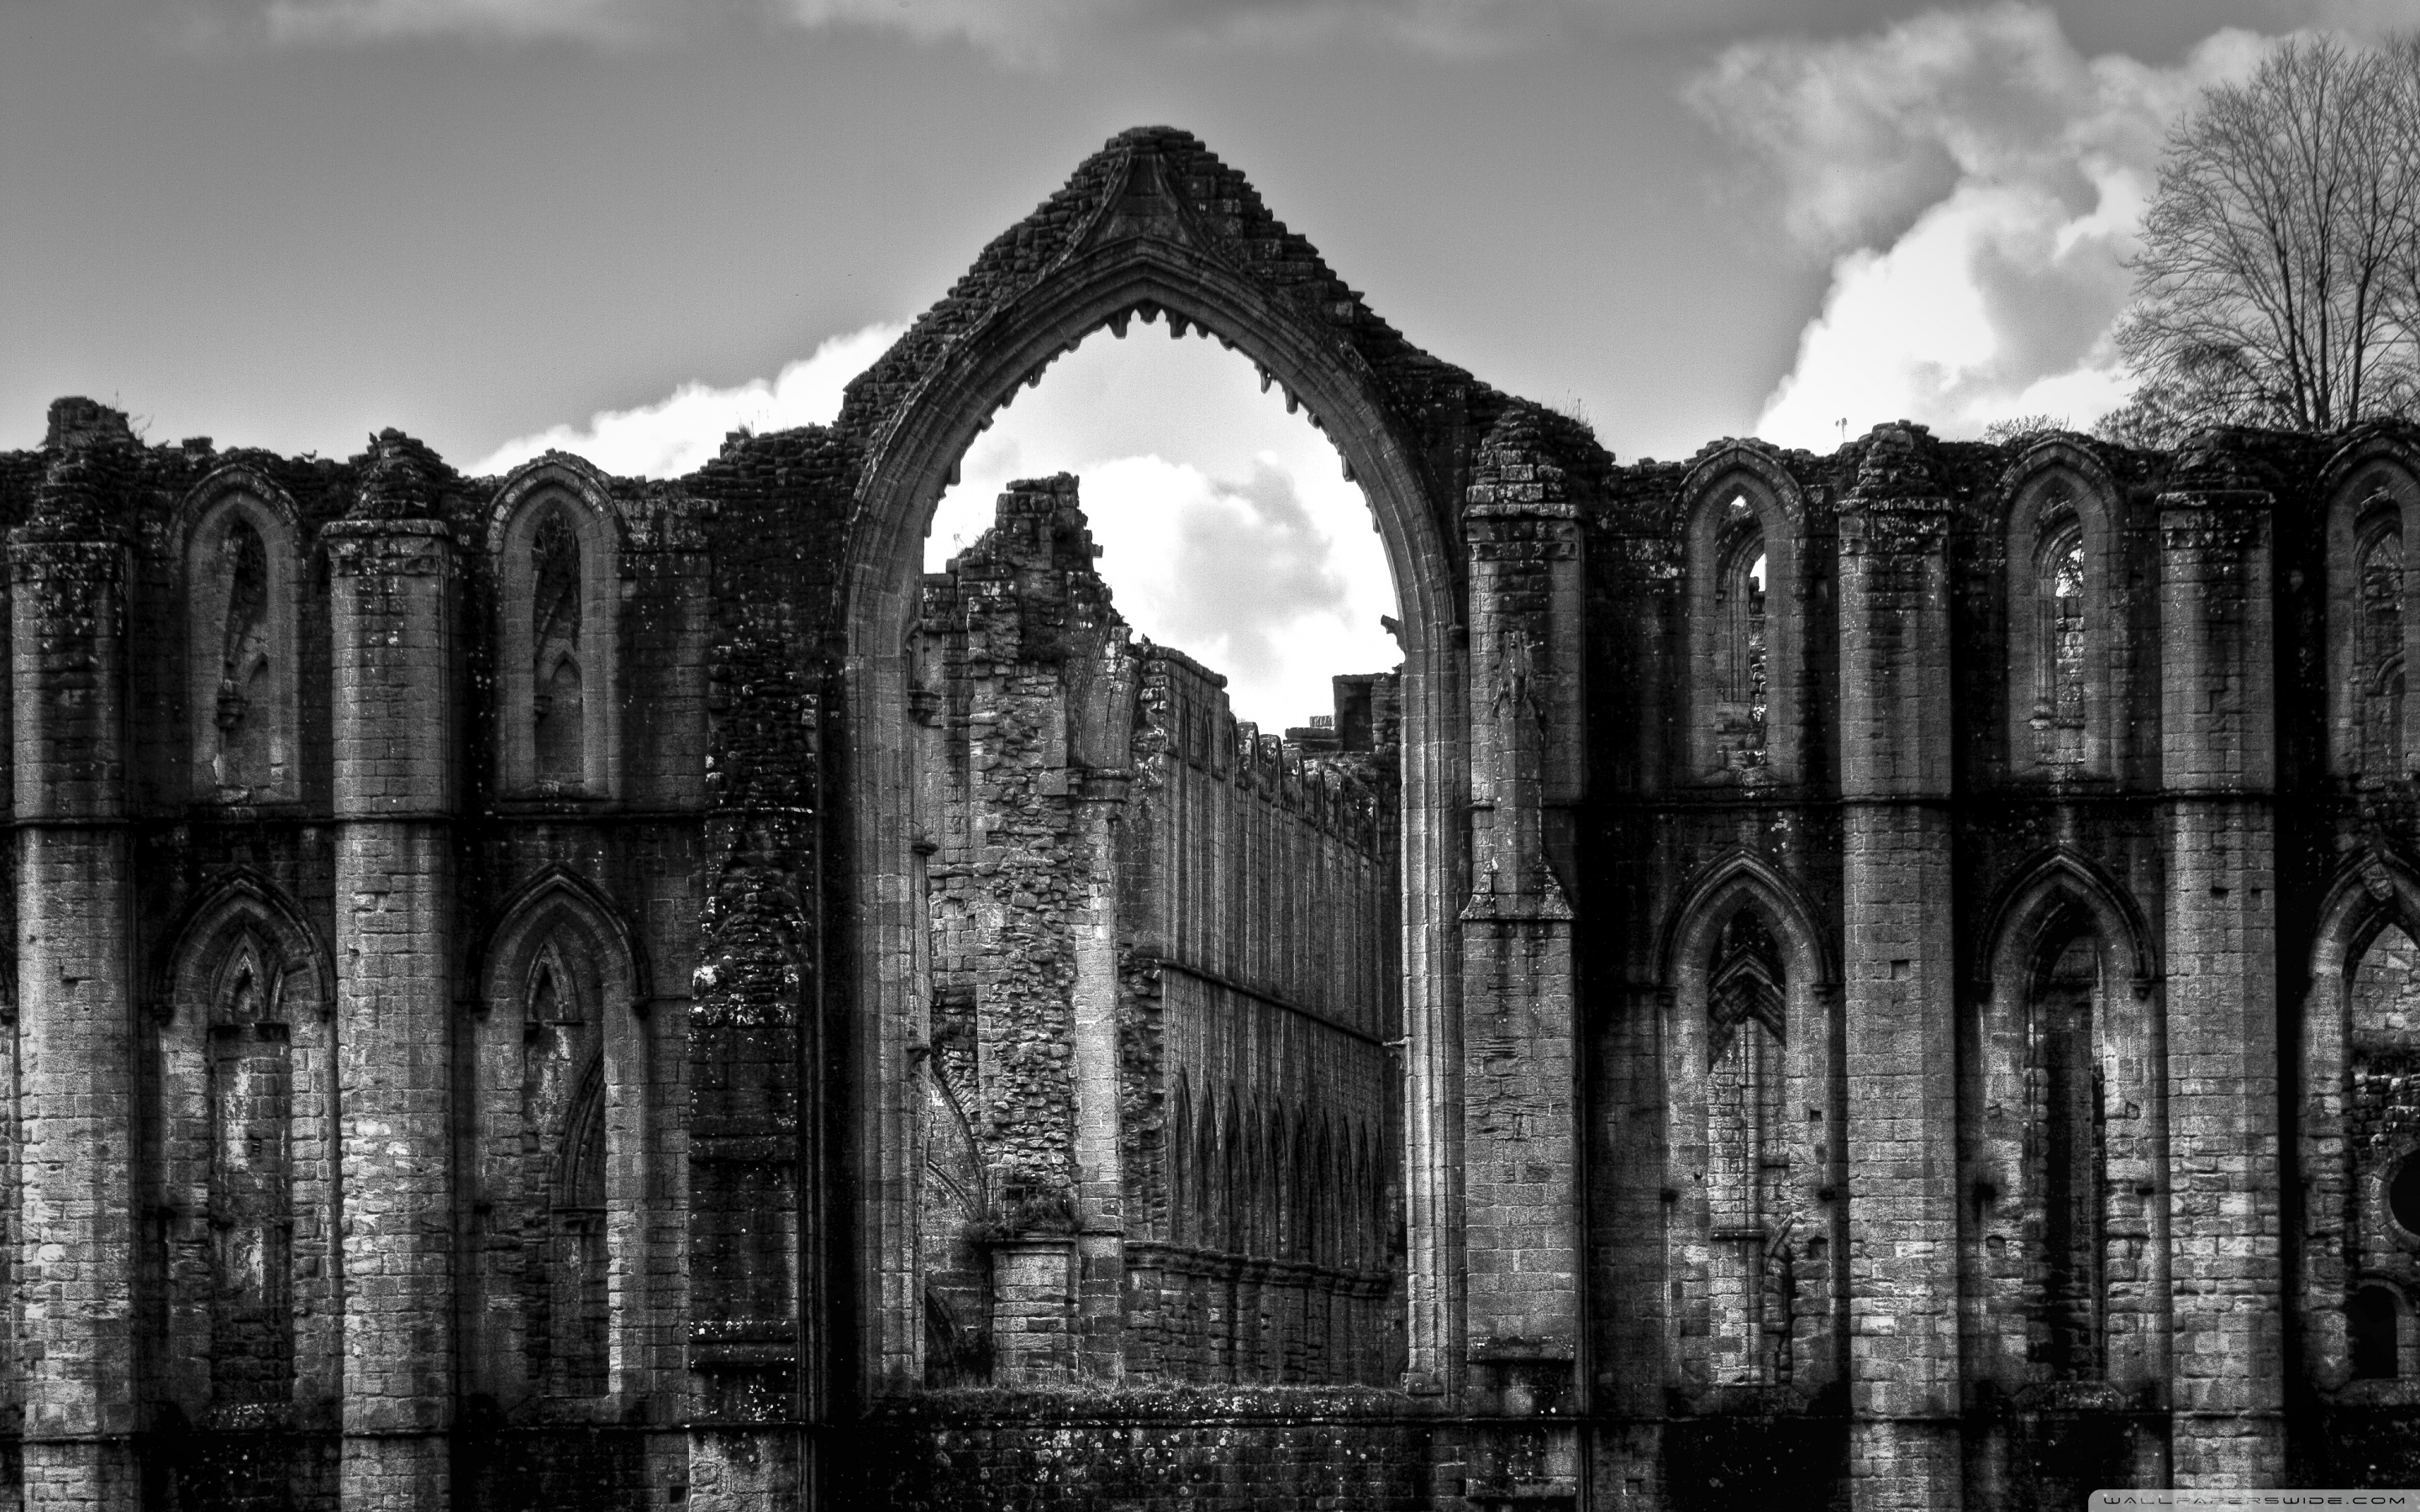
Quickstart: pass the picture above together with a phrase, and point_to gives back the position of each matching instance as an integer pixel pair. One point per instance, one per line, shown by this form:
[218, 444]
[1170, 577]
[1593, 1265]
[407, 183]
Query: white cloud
[1233, 570]
[682, 432]
[1226, 527]
[1979, 185]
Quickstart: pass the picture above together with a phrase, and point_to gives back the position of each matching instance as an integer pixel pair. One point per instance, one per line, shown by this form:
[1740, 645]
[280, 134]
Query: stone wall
[328, 1292]
[1298, 1450]
[1168, 1160]
[2031, 1303]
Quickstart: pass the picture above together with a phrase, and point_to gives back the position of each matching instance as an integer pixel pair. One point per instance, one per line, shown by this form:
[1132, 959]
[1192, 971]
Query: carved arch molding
[1153, 227]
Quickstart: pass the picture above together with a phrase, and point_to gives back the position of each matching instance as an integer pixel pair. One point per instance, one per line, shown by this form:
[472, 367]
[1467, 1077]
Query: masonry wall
[2071, 1326]
[1169, 1160]
[1260, 959]
[292, 1099]
[1160, 1450]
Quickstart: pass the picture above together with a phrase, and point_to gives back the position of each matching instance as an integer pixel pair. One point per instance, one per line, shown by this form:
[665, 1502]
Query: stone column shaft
[75, 1281]
[2217, 756]
[1899, 970]
[1100, 1164]
[1521, 1128]
[393, 754]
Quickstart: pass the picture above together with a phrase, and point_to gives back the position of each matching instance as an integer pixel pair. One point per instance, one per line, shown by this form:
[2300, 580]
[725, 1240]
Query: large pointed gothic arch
[1152, 226]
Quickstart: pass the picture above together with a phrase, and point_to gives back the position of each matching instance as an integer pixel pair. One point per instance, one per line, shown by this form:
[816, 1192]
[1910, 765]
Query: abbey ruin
[1887, 980]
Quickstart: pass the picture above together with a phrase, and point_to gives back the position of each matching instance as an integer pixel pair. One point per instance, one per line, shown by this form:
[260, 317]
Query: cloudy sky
[626, 225]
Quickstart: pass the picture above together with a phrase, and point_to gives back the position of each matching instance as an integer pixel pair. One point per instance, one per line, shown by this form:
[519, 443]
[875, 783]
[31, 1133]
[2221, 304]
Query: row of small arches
[2059, 1024]
[239, 1131]
[1746, 527]
[556, 544]
[1255, 1180]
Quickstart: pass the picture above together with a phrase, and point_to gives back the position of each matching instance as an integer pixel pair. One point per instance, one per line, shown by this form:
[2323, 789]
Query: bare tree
[2018, 428]
[2401, 147]
[2277, 280]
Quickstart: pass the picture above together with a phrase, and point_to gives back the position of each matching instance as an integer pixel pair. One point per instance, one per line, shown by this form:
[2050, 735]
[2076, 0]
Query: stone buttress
[391, 580]
[1520, 1138]
[75, 1281]
[2218, 771]
[1900, 974]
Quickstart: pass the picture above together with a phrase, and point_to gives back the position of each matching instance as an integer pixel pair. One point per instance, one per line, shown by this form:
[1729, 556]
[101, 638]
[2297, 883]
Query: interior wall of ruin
[1191, 1180]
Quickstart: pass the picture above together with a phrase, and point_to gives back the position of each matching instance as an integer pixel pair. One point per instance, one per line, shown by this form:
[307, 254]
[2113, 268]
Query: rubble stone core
[1878, 980]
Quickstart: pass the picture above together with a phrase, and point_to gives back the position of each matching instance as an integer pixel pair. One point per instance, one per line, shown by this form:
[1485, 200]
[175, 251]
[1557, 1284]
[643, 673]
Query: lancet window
[231, 1146]
[250, 1102]
[1742, 700]
[556, 1131]
[1750, 1294]
[238, 585]
[2376, 1194]
[2063, 563]
[958, 1271]
[245, 714]
[557, 706]
[1742, 622]
[559, 585]
[2059, 664]
[2064, 1083]
[2378, 650]
[2063, 1141]
[563, 1105]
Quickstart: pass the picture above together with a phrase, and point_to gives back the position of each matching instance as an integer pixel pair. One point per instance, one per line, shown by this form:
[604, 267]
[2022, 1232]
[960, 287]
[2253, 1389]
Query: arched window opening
[2060, 670]
[1741, 694]
[1747, 1159]
[577, 1235]
[2377, 653]
[2403, 1194]
[563, 1110]
[1742, 616]
[2381, 1040]
[2068, 1153]
[1210, 1181]
[557, 1116]
[237, 561]
[557, 712]
[251, 1095]
[957, 1284]
[232, 1151]
[1177, 1143]
[1259, 858]
[2366, 1199]
[246, 712]
[2373, 1332]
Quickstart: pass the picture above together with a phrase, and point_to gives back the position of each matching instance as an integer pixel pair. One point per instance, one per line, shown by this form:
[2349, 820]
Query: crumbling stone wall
[1160, 1450]
[1260, 957]
[285, 1103]
[1168, 1161]
[2073, 909]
